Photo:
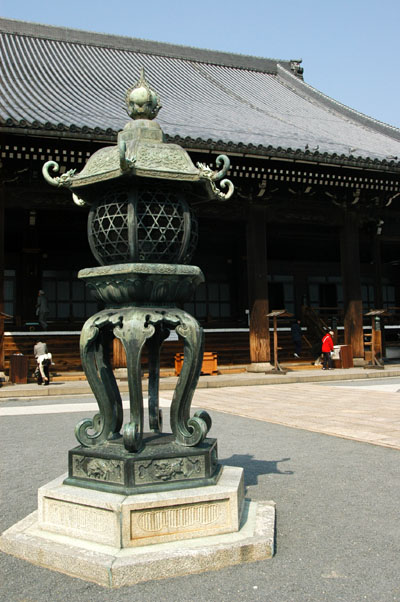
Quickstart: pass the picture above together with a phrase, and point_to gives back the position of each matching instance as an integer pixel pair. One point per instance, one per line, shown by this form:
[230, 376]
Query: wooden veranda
[230, 345]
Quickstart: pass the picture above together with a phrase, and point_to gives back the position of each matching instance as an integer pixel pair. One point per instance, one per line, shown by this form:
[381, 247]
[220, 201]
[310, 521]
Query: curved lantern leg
[133, 332]
[94, 348]
[189, 431]
[153, 345]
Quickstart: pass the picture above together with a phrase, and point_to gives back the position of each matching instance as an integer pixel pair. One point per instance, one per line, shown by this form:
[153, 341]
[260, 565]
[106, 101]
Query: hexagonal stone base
[117, 540]
[142, 519]
[115, 568]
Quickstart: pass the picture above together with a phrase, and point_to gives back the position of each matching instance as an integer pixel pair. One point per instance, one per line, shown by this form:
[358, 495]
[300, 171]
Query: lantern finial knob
[141, 101]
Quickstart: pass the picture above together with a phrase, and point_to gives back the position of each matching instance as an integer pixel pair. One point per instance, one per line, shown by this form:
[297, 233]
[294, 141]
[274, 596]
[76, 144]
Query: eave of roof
[214, 146]
[203, 92]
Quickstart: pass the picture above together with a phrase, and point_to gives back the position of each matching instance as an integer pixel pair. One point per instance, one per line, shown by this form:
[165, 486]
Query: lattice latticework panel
[152, 226]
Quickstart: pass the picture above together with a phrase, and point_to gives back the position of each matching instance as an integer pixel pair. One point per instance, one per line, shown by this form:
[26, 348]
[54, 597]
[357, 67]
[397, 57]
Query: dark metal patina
[161, 463]
[142, 231]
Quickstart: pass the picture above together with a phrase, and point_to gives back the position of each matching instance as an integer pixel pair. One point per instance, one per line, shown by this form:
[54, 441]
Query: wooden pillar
[377, 264]
[351, 278]
[260, 352]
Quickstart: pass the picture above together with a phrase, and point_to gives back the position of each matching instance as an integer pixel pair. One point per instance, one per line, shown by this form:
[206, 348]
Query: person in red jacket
[327, 348]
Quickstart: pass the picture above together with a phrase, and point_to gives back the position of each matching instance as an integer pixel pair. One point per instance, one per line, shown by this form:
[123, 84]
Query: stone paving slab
[32, 390]
[355, 411]
[371, 416]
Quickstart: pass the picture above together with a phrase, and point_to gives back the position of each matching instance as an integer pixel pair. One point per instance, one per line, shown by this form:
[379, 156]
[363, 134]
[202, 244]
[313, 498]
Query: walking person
[42, 309]
[327, 348]
[296, 337]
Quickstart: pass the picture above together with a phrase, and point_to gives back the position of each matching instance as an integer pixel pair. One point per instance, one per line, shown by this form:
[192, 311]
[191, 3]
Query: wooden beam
[377, 263]
[351, 278]
[257, 271]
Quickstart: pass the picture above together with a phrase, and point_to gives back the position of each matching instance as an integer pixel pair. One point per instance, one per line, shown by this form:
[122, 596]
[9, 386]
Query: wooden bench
[209, 365]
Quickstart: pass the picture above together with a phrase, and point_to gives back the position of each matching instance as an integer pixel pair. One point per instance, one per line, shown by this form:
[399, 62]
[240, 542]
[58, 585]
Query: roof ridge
[179, 51]
[311, 92]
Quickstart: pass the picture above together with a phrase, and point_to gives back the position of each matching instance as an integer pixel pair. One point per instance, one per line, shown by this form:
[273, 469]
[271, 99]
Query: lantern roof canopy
[141, 152]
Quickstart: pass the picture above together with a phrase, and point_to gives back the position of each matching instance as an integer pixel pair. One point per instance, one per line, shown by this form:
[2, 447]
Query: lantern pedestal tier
[142, 283]
[141, 310]
[161, 465]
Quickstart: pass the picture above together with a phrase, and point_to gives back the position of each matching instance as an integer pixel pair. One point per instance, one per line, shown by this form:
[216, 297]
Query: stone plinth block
[261, 367]
[136, 520]
[115, 567]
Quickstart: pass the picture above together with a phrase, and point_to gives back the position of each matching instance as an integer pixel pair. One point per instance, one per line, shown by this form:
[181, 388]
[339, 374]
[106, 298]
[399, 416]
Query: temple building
[314, 224]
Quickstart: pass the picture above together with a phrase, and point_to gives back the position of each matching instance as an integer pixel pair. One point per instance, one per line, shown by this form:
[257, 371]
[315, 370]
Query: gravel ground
[338, 525]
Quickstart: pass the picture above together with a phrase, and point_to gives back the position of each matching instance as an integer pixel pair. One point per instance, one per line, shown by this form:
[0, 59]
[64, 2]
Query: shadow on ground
[255, 468]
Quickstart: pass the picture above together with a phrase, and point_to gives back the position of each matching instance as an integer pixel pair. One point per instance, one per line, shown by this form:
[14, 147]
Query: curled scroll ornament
[213, 176]
[94, 346]
[60, 181]
[189, 431]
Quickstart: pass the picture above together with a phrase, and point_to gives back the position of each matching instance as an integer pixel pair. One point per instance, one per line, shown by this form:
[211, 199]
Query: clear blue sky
[350, 48]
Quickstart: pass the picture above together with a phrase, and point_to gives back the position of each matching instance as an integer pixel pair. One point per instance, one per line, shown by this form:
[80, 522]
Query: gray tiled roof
[61, 79]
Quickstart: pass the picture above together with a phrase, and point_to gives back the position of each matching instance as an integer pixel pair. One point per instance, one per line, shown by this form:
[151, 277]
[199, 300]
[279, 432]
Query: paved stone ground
[338, 526]
[311, 374]
[357, 413]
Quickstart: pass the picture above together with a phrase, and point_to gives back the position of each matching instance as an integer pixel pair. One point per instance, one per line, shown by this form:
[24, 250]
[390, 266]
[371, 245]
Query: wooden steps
[231, 347]
[64, 349]
[293, 367]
